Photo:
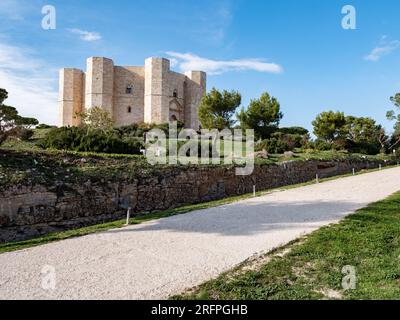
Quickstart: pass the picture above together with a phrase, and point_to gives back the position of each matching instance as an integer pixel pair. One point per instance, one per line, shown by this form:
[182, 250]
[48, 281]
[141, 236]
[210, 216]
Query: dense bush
[128, 131]
[139, 130]
[272, 145]
[81, 139]
[23, 133]
[281, 142]
[363, 147]
[320, 145]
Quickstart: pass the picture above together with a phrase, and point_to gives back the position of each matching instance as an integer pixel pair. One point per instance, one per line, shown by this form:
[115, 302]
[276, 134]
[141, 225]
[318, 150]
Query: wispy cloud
[30, 82]
[86, 35]
[188, 61]
[384, 48]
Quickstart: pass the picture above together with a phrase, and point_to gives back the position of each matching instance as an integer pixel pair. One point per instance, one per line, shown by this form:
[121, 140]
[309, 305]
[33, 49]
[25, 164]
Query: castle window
[129, 90]
[175, 94]
[129, 109]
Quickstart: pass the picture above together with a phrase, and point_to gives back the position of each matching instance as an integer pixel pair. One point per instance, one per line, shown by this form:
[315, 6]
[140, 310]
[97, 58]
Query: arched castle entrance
[176, 112]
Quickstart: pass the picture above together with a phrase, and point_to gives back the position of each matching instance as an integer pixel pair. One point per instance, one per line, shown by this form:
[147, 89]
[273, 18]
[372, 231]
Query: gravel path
[159, 258]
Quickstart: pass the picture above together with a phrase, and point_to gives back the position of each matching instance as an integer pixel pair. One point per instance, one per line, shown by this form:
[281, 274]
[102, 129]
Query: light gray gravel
[159, 258]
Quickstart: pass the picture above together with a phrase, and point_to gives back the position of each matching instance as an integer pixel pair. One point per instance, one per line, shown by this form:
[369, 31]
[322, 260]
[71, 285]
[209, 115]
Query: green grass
[13, 246]
[311, 267]
[15, 144]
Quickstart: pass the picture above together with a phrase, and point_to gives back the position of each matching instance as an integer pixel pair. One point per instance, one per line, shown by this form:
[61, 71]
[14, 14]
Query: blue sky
[296, 50]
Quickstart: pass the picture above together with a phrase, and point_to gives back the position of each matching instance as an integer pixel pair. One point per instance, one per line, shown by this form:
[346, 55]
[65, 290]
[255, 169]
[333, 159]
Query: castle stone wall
[70, 96]
[124, 102]
[194, 91]
[176, 105]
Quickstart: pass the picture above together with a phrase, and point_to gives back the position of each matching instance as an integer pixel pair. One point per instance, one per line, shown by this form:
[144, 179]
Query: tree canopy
[329, 126]
[217, 108]
[11, 122]
[357, 134]
[392, 115]
[263, 115]
[364, 132]
[361, 129]
[96, 118]
[293, 130]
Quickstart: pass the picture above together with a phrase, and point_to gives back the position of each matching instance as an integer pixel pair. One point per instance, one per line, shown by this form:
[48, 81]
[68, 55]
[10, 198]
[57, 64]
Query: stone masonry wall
[124, 77]
[30, 211]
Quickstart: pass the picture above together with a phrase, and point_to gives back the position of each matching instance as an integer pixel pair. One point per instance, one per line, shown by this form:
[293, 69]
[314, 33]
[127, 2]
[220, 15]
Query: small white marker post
[254, 190]
[128, 216]
[354, 172]
[317, 178]
[380, 167]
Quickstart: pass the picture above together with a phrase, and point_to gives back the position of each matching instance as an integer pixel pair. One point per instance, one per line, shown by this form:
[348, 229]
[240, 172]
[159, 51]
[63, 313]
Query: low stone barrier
[31, 211]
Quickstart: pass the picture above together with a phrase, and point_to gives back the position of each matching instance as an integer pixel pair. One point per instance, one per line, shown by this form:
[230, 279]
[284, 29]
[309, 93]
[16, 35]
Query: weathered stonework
[30, 211]
[151, 94]
[71, 86]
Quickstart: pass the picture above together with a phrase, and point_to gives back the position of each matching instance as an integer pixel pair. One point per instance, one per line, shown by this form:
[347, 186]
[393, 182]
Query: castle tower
[70, 95]
[100, 84]
[156, 104]
[195, 89]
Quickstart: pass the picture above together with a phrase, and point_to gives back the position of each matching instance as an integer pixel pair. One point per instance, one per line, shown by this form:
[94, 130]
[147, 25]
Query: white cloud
[86, 35]
[31, 84]
[188, 62]
[384, 48]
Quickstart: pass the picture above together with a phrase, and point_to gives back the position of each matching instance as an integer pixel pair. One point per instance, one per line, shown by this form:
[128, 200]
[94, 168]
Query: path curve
[159, 258]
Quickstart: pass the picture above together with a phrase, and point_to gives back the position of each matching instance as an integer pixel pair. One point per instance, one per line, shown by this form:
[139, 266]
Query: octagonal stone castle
[149, 94]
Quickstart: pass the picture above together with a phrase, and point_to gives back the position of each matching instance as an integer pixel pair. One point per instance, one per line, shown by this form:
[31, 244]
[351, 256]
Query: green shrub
[128, 131]
[364, 147]
[281, 142]
[165, 127]
[23, 133]
[139, 130]
[291, 140]
[344, 144]
[83, 140]
[272, 145]
[320, 145]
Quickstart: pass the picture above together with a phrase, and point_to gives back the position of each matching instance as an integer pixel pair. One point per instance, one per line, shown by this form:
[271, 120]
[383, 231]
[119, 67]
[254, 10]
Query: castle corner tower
[100, 84]
[70, 96]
